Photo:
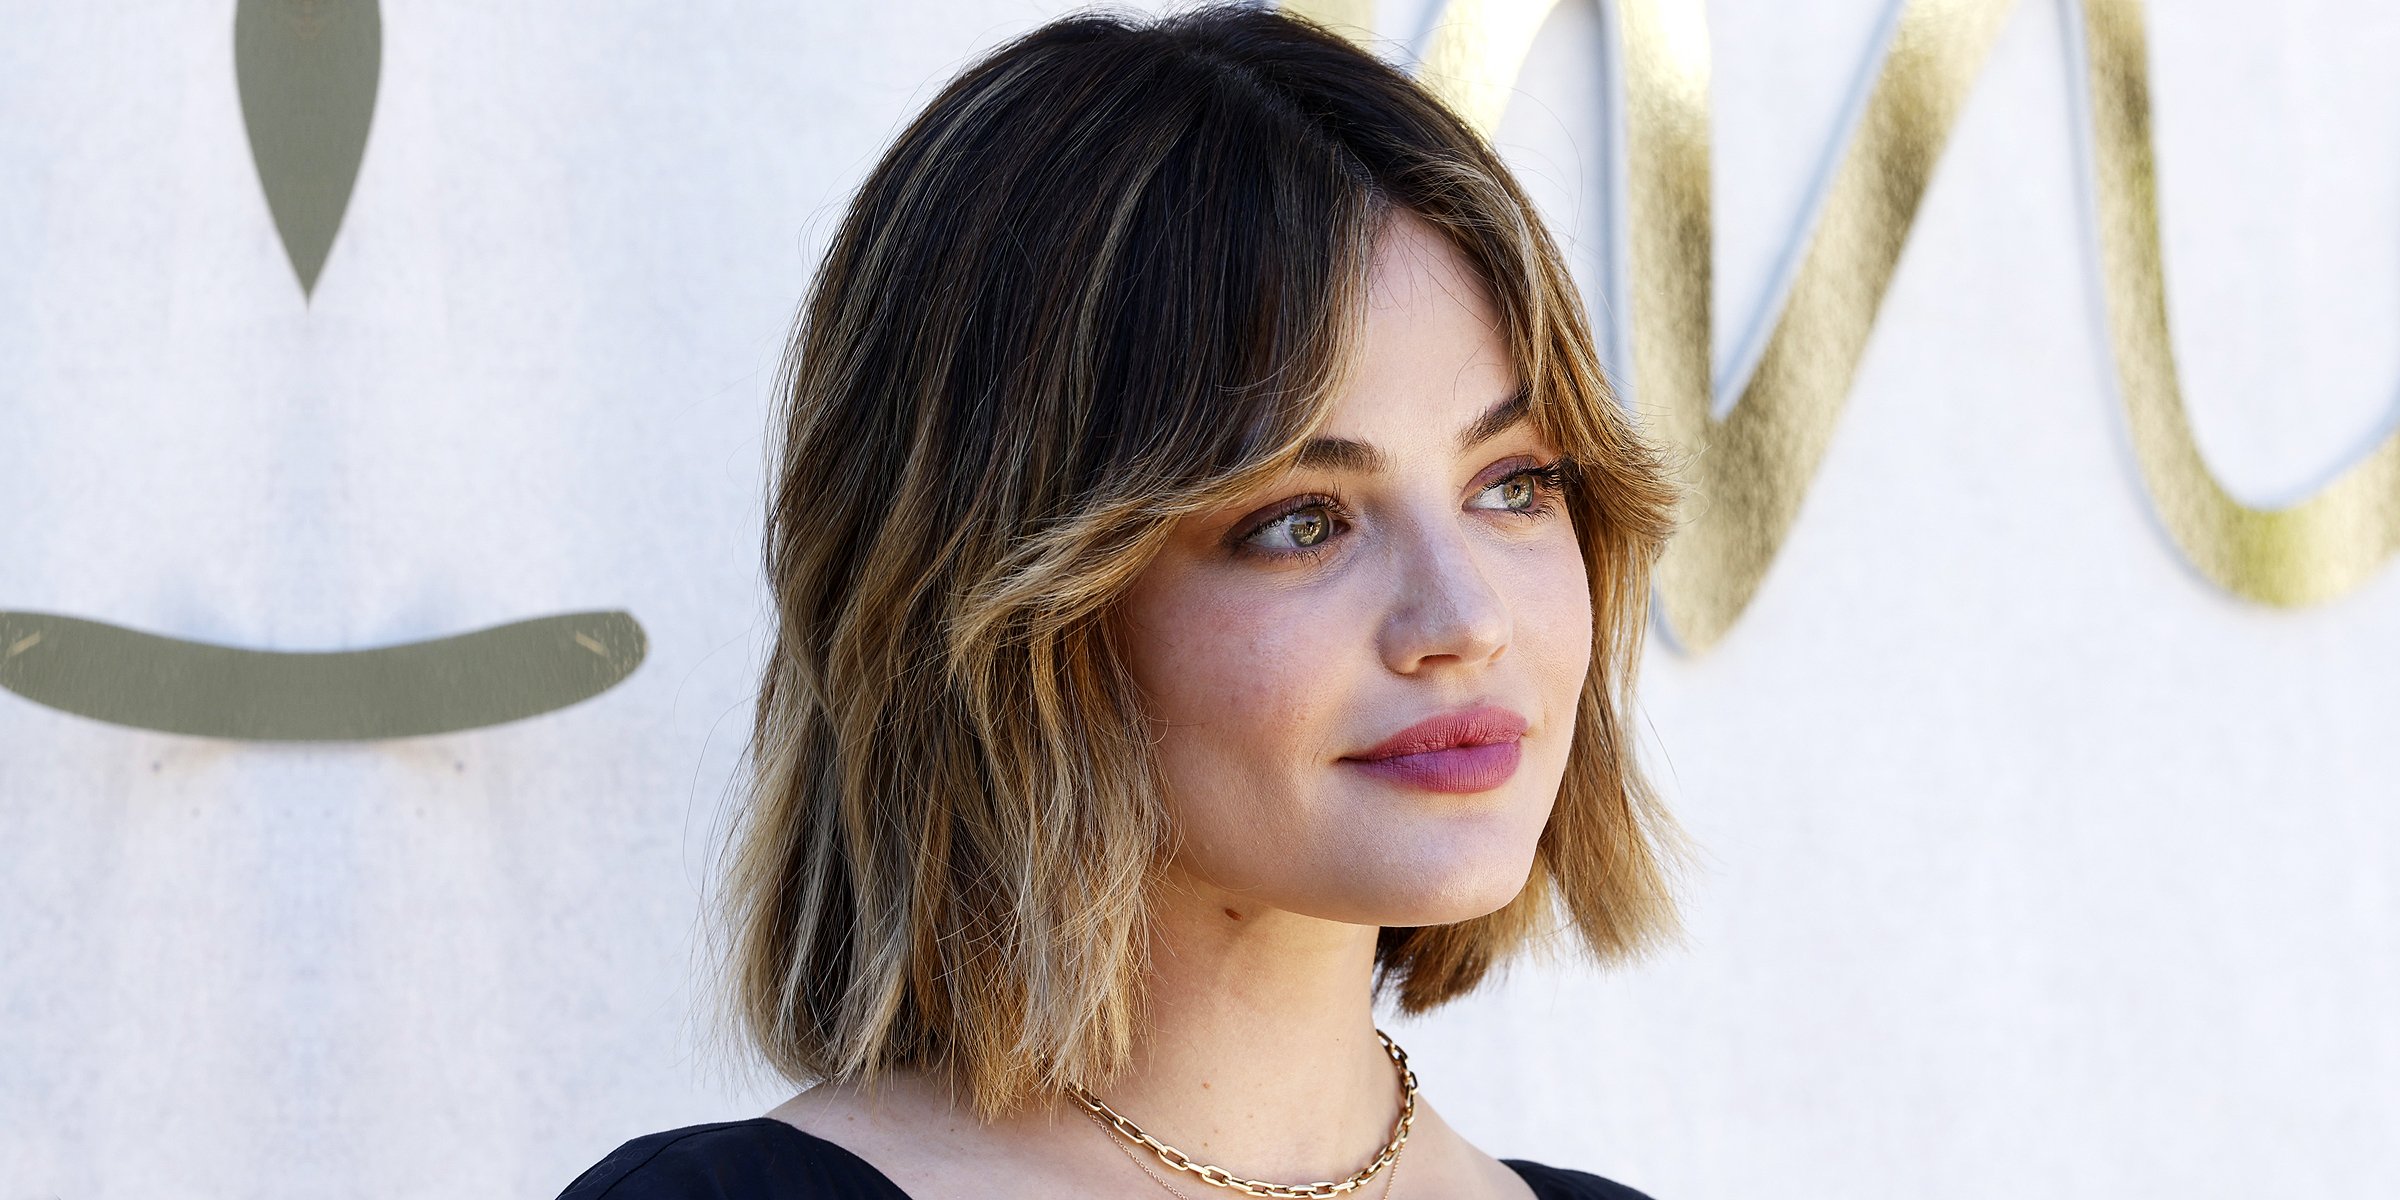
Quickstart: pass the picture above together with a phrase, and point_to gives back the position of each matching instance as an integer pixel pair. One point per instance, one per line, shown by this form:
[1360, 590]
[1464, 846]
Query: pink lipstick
[1471, 751]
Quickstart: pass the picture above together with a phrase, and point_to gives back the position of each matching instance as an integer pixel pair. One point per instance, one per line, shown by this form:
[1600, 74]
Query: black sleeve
[667, 1165]
[1560, 1183]
[755, 1159]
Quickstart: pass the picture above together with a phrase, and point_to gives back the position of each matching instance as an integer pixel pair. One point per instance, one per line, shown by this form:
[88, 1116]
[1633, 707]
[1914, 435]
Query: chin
[1462, 900]
[1441, 881]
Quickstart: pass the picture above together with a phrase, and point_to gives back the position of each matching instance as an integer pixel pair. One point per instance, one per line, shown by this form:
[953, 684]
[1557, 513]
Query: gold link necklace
[1116, 1123]
[1390, 1181]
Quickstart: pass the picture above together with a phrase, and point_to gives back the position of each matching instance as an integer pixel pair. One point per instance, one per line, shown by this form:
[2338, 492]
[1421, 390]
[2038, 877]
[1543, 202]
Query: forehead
[1432, 352]
[1415, 265]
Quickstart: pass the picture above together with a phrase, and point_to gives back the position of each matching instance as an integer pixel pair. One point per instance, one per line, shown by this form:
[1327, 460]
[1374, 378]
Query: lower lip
[1458, 769]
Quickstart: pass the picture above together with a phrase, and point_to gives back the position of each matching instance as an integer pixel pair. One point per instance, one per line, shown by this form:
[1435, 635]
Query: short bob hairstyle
[1112, 275]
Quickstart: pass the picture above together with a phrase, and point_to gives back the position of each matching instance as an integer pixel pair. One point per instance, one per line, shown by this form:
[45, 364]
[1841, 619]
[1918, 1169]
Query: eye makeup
[1325, 515]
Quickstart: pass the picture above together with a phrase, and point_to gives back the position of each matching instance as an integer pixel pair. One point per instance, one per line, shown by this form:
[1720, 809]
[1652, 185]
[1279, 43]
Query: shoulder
[1559, 1183]
[756, 1159]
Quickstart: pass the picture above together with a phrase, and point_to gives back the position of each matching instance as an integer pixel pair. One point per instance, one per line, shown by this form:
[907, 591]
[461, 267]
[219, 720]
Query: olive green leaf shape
[307, 71]
[466, 681]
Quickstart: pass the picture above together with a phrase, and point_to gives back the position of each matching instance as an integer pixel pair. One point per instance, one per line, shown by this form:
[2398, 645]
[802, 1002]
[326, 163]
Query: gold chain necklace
[1177, 1159]
[1389, 1181]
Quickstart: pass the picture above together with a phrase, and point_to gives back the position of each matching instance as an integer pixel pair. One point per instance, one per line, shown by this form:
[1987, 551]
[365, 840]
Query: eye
[1518, 491]
[1299, 529]
[1529, 491]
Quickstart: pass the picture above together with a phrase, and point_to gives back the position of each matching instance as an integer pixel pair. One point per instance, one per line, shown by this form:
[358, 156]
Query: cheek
[1246, 683]
[1553, 615]
[1240, 682]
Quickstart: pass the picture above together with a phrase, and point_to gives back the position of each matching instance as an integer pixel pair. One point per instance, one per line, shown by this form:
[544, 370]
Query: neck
[1258, 1051]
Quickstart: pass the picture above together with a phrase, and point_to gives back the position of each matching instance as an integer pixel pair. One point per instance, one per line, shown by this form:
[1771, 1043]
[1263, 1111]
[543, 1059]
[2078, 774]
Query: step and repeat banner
[383, 402]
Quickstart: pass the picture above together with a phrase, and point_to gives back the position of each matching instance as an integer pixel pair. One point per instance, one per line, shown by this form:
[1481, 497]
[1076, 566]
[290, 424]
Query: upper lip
[1478, 726]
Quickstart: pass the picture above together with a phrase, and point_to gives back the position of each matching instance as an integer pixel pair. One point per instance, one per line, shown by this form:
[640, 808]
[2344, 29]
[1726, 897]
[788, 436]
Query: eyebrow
[1349, 454]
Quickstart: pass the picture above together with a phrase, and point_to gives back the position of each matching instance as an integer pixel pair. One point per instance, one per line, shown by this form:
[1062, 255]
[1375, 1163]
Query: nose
[1445, 608]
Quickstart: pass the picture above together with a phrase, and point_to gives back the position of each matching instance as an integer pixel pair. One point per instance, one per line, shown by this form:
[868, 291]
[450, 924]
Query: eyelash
[1550, 478]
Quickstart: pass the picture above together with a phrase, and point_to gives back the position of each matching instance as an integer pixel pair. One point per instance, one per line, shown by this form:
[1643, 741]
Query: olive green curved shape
[307, 71]
[466, 681]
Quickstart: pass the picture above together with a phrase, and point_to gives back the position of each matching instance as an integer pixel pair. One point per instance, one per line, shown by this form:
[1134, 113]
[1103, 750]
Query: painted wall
[2040, 863]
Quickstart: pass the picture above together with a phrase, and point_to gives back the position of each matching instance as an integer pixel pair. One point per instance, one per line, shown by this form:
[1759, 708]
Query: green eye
[1309, 527]
[1527, 493]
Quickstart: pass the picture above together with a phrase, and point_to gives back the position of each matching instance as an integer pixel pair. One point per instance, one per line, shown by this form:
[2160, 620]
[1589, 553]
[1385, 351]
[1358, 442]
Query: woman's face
[1417, 567]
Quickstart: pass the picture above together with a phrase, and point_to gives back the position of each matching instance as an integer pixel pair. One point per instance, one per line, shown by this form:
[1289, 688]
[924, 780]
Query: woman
[1211, 566]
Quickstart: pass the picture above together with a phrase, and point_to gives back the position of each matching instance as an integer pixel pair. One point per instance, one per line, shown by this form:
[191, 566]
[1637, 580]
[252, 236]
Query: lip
[1473, 750]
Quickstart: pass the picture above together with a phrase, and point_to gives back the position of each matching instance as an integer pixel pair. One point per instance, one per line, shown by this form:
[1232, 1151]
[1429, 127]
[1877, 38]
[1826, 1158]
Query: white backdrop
[2037, 864]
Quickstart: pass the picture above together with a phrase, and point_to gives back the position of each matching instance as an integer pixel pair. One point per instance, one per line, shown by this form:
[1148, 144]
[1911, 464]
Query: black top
[766, 1159]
